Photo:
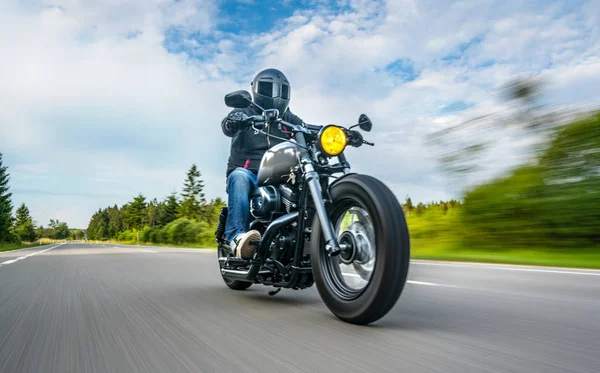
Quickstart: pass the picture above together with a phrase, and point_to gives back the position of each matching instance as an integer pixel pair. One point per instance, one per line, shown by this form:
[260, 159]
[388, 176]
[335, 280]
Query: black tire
[233, 284]
[392, 252]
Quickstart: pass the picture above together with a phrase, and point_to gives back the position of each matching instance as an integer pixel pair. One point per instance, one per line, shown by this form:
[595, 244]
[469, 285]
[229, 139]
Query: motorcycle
[347, 234]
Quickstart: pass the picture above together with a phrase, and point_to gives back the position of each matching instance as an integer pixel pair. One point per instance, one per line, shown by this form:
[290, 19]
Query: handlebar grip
[257, 118]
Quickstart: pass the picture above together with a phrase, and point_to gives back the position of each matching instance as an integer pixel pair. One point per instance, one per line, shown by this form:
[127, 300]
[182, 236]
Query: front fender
[338, 180]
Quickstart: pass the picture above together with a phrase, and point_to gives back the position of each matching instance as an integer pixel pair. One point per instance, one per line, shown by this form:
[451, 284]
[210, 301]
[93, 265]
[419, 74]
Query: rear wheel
[361, 284]
[233, 284]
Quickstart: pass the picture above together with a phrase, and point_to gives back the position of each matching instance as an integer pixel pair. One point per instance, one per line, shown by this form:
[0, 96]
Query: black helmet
[271, 90]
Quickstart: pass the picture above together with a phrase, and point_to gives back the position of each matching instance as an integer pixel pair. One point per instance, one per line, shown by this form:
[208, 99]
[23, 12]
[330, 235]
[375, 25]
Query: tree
[24, 224]
[5, 205]
[94, 224]
[101, 231]
[420, 209]
[408, 206]
[22, 215]
[193, 195]
[213, 211]
[61, 229]
[39, 231]
[53, 224]
[77, 234]
[135, 213]
[169, 213]
[153, 210]
[114, 221]
[552, 202]
[42, 232]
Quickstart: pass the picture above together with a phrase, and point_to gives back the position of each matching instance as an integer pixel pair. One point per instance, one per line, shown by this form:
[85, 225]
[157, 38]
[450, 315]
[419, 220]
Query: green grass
[450, 251]
[9, 247]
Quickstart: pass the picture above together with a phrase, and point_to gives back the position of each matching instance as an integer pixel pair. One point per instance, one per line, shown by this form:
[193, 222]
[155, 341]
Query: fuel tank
[278, 163]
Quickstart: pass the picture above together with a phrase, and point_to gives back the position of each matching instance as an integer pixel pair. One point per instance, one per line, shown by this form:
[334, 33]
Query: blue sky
[101, 100]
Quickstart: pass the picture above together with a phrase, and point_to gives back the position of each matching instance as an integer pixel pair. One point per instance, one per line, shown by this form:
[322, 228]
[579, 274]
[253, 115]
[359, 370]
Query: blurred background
[485, 115]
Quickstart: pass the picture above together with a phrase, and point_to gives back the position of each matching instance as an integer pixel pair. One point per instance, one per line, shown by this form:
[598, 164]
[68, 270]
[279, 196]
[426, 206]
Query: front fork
[312, 177]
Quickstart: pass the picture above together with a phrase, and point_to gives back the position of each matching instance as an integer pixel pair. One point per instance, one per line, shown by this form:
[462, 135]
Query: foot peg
[271, 293]
[233, 262]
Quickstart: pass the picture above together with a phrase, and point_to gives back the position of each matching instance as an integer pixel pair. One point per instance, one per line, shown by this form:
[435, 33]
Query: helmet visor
[270, 89]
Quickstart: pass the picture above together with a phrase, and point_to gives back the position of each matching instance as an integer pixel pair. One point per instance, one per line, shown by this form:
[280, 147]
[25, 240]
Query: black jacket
[247, 148]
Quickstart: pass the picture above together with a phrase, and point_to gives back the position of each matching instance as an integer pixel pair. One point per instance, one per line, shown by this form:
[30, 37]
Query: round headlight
[332, 140]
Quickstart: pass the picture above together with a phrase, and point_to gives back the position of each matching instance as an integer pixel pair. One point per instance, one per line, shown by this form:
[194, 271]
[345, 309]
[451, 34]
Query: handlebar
[259, 122]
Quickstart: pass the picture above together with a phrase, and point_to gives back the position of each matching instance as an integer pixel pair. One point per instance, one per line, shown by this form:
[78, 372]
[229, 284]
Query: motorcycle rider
[270, 90]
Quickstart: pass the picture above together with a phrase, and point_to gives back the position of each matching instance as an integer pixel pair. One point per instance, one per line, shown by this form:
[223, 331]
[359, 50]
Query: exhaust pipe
[250, 274]
[245, 276]
[273, 227]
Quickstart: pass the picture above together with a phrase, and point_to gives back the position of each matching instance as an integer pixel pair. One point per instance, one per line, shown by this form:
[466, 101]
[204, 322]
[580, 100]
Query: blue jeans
[240, 185]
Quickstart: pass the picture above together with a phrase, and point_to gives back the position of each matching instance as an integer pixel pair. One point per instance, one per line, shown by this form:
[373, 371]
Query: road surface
[103, 308]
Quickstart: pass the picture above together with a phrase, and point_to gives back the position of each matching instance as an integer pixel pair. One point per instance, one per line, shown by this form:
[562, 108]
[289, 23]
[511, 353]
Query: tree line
[20, 227]
[179, 218]
[550, 202]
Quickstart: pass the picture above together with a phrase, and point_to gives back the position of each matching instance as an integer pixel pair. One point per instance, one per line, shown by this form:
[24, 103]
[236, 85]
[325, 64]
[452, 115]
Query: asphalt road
[102, 308]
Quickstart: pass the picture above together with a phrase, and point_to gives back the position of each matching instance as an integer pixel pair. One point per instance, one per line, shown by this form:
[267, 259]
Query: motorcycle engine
[289, 197]
[264, 202]
[268, 200]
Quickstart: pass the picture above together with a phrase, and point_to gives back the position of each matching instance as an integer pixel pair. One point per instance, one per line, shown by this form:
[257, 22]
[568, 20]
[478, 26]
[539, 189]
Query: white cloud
[89, 88]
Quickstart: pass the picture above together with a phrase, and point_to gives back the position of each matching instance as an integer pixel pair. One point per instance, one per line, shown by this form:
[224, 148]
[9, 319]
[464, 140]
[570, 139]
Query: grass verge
[574, 258]
[10, 247]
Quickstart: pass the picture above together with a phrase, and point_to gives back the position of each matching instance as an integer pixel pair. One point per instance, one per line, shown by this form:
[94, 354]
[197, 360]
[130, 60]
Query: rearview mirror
[365, 123]
[238, 99]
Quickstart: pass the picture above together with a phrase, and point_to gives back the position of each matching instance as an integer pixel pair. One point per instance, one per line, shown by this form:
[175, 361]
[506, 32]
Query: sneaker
[241, 246]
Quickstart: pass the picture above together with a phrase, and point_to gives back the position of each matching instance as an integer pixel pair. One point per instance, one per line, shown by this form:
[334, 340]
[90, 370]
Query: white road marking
[27, 256]
[512, 268]
[148, 251]
[409, 281]
[430, 284]
[43, 251]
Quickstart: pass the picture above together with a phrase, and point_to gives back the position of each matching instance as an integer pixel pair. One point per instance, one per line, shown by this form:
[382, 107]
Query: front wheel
[363, 282]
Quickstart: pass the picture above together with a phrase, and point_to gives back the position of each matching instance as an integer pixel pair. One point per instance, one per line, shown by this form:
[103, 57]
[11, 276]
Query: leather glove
[237, 120]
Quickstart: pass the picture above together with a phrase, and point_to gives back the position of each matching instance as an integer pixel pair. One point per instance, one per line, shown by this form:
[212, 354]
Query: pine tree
[93, 225]
[114, 221]
[101, 231]
[5, 205]
[171, 208]
[24, 224]
[152, 217]
[135, 213]
[193, 195]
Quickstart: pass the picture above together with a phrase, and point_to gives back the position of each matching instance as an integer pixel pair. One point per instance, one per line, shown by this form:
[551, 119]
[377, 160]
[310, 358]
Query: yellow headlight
[333, 140]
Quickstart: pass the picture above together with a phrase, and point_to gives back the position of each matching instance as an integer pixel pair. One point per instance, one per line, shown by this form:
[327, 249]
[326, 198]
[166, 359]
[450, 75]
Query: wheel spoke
[351, 271]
